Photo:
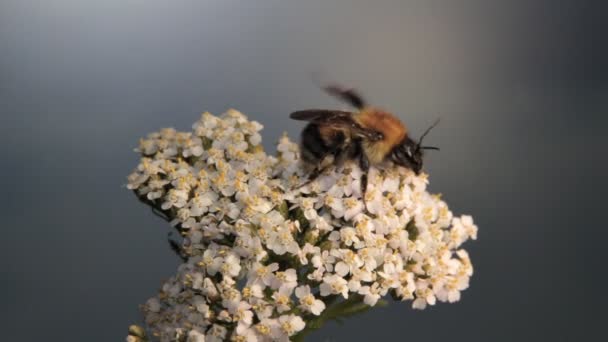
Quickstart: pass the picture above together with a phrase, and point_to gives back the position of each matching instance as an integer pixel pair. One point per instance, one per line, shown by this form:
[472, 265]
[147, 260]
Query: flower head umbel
[263, 257]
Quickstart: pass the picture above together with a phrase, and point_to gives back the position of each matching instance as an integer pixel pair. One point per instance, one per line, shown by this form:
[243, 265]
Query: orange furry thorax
[391, 127]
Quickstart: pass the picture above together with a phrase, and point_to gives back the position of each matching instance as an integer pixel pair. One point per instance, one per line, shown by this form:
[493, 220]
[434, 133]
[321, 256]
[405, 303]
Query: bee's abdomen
[318, 142]
[312, 147]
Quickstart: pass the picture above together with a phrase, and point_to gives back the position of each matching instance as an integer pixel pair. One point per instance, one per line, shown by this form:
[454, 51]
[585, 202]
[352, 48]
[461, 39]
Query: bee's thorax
[393, 130]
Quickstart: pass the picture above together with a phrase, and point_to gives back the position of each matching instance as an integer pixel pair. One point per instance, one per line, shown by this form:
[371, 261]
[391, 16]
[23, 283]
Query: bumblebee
[369, 136]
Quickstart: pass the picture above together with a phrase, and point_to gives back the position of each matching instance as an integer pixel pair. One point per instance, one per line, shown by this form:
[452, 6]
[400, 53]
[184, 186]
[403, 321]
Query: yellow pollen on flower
[444, 211]
[285, 237]
[262, 329]
[220, 180]
[265, 190]
[216, 153]
[238, 315]
[163, 144]
[259, 173]
[350, 203]
[172, 196]
[244, 156]
[241, 176]
[241, 186]
[231, 294]
[343, 181]
[248, 212]
[145, 162]
[369, 196]
[307, 203]
[182, 183]
[294, 180]
[282, 300]
[252, 201]
[364, 252]
[169, 167]
[262, 271]
[349, 256]
[362, 229]
[427, 213]
[381, 242]
[276, 197]
[221, 165]
[452, 285]
[308, 300]
[287, 328]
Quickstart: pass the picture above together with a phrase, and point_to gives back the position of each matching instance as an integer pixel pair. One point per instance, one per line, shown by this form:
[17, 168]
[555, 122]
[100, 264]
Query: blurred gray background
[521, 87]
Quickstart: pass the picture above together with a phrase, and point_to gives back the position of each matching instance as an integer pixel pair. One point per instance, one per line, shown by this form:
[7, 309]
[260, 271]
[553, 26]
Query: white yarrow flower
[259, 247]
[308, 302]
[334, 284]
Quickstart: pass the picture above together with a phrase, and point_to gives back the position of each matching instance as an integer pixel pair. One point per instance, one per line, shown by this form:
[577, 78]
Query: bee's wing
[323, 116]
[337, 119]
[348, 95]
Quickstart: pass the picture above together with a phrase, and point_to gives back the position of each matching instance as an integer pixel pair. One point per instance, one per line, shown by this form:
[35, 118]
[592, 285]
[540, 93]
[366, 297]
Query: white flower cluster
[264, 256]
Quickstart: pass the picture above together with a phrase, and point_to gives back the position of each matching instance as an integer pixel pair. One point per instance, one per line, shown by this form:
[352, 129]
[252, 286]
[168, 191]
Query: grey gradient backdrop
[521, 87]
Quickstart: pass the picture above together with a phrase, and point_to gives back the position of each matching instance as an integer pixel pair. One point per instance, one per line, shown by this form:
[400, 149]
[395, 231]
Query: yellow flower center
[263, 329]
[308, 300]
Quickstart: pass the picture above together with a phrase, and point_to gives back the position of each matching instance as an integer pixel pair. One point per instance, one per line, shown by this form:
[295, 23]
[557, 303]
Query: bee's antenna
[418, 146]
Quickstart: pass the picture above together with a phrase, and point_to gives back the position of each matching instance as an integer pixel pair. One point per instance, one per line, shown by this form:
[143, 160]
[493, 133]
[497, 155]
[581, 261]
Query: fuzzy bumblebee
[369, 136]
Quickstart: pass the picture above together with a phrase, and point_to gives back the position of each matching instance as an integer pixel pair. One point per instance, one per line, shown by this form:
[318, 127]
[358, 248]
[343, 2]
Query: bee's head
[409, 153]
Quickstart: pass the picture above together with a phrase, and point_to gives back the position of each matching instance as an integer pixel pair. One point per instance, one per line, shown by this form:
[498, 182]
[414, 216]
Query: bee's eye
[408, 150]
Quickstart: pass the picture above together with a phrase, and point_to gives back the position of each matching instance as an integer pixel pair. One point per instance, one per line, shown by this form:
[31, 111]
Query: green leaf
[284, 210]
[337, 312]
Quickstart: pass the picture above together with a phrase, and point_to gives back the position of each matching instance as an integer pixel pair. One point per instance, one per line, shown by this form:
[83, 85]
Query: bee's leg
[364, 165]
[341, 154]
[335, 149]
[313, 175]
[321, 167]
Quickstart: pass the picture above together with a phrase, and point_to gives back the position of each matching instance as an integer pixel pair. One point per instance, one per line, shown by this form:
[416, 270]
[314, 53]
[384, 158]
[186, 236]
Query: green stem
[336, 311]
